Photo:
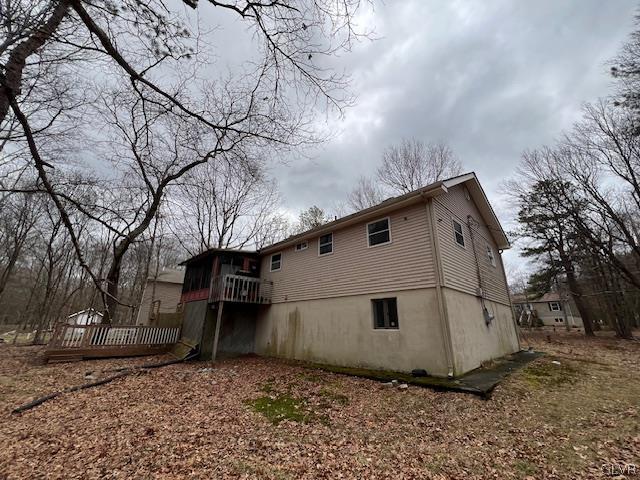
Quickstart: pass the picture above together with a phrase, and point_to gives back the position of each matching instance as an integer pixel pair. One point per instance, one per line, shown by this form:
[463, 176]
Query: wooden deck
[75, 342]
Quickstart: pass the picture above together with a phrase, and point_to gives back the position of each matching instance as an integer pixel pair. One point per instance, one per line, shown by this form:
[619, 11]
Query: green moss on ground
[548, 374]
[281, 407]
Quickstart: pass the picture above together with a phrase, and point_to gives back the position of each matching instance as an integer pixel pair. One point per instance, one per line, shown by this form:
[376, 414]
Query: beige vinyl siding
[167, 293]
[459, 263]
[355, 268]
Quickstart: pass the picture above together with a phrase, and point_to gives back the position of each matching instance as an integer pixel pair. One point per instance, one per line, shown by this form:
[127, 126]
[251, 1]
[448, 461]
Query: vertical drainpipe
[442, 306]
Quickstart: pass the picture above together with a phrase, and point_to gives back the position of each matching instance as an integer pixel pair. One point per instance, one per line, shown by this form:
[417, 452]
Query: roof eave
[362, 215]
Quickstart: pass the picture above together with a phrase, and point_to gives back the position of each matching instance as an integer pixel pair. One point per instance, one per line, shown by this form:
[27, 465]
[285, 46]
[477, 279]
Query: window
[558, 320]
[276, 262]
[491, 256]
[379, 232]
[325, 244]
[385, 313]
[301, 246]
[555, 306]
[457, 232]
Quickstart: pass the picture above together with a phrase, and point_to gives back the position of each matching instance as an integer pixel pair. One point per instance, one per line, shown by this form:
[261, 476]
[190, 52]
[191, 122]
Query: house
[85, 317]
[161, 294]
[550, 309]
[415, 282]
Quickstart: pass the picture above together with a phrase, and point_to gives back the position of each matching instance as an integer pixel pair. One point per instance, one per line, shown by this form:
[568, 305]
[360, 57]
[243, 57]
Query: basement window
[555, 306]
[325, 244]
[301, 246]
[379, 232]
[457, 232]
[385, 313]
[491, 256]
[276, 262]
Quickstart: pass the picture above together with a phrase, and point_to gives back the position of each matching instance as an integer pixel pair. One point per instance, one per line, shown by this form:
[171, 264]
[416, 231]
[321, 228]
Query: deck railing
[238, 288]
[111, 337]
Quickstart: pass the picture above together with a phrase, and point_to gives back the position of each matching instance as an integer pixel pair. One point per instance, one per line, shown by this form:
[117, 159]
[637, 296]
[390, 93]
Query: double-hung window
[555, 306]
[458, 233]
[325, 244]
[491, 256]
[379, 232]
[276, 262]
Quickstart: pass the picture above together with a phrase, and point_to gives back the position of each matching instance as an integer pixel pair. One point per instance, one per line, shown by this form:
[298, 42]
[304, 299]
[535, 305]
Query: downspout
[442, 306]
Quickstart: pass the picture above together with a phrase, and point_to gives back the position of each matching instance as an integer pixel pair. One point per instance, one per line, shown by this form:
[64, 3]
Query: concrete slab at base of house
[481, 381]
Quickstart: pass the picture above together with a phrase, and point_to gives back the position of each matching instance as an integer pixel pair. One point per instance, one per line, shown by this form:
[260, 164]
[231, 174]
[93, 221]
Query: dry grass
[262, 418]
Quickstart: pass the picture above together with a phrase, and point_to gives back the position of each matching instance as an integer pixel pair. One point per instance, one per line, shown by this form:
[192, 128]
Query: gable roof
[547, 297]
[470, 180]
[89, 311]
[168, 275]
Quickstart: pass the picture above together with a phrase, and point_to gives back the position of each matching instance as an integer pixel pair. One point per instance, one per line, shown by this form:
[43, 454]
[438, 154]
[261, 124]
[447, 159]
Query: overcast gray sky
[489, 78]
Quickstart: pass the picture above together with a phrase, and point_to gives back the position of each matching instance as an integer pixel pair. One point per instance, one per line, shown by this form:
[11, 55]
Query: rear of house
[416, 282]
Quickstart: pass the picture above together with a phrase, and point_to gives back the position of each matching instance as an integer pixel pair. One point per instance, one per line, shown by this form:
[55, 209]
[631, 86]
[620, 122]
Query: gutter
[371, 212]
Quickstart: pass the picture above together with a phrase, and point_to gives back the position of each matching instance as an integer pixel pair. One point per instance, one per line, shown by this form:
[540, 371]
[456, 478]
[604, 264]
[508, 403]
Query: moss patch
[281, 407]
[549, 374]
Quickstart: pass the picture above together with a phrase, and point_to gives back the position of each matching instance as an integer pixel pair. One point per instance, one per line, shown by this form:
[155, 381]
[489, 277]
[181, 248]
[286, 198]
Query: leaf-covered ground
[564, 416]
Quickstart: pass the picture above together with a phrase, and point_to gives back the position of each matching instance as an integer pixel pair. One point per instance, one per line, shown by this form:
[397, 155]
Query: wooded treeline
[121, 126]
[579, 207]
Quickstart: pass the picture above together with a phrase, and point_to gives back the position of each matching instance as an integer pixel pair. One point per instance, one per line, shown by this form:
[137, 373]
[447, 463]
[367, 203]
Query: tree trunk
[11, 84]
[576, 294]
[113, 282]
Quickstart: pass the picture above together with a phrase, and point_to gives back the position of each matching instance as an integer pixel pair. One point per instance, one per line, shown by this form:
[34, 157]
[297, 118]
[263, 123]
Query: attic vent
[466, 194]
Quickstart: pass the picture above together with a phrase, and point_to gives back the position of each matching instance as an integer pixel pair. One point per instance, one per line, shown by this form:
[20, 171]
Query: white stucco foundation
[472, 339]
[340, 331]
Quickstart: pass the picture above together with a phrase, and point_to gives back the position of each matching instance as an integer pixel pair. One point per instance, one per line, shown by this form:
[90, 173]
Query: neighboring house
[85, 317]
[550, 309]
[416, 282]
[161, 295]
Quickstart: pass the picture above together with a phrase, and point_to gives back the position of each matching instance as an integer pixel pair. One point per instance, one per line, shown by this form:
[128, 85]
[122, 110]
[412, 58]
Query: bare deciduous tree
[229, 204]
[310, 218]
[145, 53]
[413, 164]
[365, 194]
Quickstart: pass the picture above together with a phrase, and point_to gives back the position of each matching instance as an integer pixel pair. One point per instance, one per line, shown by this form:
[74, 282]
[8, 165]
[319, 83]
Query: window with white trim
[301, 246]
[379, 232]
[325, 244]
[385, 313]
[458, 234]
[276, 262]
[491, 256]
[555, 306]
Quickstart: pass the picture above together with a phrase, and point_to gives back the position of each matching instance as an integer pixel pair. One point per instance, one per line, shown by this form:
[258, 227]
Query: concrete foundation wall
[473, 340]
[340, 331]
[238, 329]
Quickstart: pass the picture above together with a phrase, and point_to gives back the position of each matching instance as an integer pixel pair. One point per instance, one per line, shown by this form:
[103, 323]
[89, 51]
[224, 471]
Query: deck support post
[216, 336]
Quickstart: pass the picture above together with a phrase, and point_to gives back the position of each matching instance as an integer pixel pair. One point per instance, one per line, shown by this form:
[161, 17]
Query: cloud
[491, 79]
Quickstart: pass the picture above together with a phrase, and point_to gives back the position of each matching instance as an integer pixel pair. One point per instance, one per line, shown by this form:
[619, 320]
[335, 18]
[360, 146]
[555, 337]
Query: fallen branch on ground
[123, 372]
